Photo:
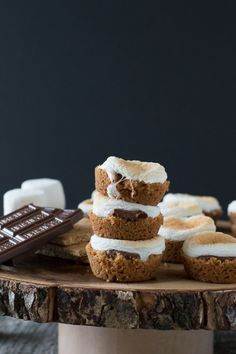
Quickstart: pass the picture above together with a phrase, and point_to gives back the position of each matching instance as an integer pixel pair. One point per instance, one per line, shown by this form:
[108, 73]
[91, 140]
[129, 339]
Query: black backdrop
[80, 81]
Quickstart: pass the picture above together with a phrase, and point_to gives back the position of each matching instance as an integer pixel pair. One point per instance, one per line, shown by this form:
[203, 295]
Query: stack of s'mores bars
[126, 219]
[186, 216]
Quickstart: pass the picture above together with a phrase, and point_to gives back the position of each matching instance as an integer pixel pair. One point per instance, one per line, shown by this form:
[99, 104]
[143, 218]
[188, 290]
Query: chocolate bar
[30, 227]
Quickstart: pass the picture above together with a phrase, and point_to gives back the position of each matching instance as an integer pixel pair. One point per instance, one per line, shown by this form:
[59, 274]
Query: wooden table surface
[45, 289]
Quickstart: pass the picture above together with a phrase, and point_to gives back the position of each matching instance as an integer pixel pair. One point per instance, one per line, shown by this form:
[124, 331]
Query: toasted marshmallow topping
[179, 197]
[215, 244]
[93, 194]
[232, 207]
[148, 172]
[207, 203]
[144, 249]
[179, 209]
[86, 206]
[178, 229]
[104, 206]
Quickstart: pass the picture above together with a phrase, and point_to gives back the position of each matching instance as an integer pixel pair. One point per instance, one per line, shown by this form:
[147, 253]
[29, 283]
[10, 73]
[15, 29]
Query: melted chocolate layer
[131, 215]
[127, 255]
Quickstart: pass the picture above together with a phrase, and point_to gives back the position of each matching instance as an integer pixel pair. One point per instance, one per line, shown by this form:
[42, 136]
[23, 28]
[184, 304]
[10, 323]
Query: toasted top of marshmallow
[148, 172]
[104, 206]
[232, 207]
[179, 209]
[210, 244]
[207, 203]
[144, 249]
[178, 229]
[179, 197]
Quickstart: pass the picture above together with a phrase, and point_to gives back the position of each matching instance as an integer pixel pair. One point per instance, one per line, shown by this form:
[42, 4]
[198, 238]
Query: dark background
[80, 81]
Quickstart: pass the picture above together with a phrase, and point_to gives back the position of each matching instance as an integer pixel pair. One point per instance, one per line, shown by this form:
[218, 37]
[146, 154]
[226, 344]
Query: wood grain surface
[45, 289]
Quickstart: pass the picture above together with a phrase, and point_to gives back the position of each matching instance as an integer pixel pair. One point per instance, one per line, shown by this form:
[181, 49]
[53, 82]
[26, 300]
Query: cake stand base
[95, 340]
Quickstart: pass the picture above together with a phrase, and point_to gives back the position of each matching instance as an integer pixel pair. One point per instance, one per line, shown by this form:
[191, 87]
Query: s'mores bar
[232, 216]
[125, 261]
[176, 230]
[133, 181]
[179, 209]
[126, 220]
[209, 205]
[210, 257]
[86, 206]
[116, 218]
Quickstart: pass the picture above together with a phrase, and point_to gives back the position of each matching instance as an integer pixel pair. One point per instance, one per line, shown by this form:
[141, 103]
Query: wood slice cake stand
[133, 318]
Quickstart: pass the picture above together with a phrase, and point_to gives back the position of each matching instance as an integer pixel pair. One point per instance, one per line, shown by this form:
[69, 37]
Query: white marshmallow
[207, 203]
[86, 206]
[232, 207]
[144, 249]
[93, 194]
[210, 244]
[104, 206]
[178, 229]
[112, 191]
[55, 196]
[148, 172]
[17, 198]
[179, 209]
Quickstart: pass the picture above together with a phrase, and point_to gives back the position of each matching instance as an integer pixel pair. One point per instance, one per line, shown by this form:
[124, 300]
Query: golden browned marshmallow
[216, 244]
[178, 229]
